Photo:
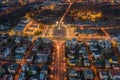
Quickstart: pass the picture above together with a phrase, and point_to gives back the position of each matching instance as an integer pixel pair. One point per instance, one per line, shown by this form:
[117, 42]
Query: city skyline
[59, 39]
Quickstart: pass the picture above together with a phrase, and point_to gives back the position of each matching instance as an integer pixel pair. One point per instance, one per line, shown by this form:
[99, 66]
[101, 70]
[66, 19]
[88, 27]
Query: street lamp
[62, 23]
[57, 23]
[51, 76]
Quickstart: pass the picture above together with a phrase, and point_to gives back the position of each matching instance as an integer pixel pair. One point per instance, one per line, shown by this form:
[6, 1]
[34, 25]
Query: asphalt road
[59, 32]
[58, 65]
[55, 33]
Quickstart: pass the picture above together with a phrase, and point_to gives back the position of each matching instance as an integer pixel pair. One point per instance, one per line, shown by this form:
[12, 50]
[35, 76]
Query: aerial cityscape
[59, 39]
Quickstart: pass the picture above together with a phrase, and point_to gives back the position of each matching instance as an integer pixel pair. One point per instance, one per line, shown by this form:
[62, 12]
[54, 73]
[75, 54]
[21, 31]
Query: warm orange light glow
[52, 68]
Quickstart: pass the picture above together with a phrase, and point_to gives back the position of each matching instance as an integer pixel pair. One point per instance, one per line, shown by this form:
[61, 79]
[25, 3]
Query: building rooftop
[88, 73]
[114, 72]
[19, 28]
[104, 73]
[42, 76]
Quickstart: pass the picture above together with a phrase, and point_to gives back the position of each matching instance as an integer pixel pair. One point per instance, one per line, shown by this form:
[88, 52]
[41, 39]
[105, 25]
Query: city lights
[60, 39]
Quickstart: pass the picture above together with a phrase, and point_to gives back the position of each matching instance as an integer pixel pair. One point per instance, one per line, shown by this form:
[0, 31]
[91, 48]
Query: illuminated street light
[62, 23]
[57, 22]
[51, 76]
[65, 78]
[52, 68]
[64, 64]
[52, 64]
[64, 58]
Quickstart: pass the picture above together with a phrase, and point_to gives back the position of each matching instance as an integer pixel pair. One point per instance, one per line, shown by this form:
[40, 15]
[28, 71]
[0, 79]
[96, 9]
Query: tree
[41, 26]
[29, 73]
